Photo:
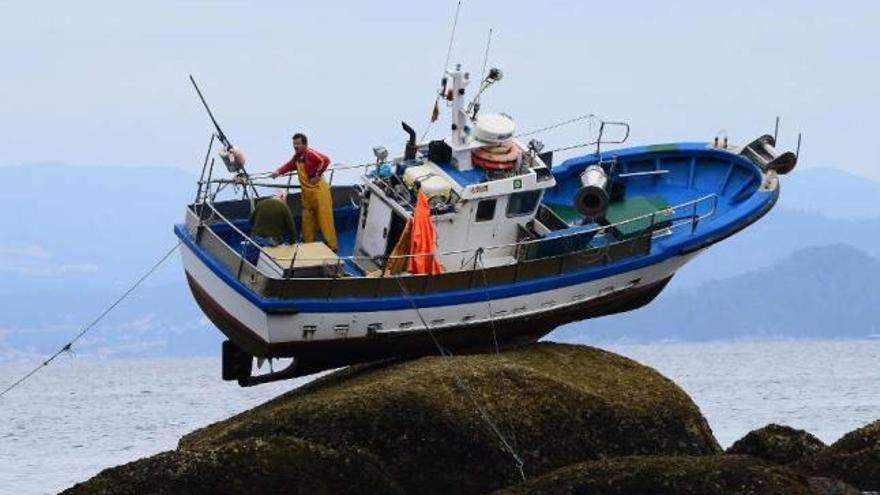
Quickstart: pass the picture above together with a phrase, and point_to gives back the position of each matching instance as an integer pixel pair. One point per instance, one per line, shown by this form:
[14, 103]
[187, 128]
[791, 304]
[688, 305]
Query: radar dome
[494, 128]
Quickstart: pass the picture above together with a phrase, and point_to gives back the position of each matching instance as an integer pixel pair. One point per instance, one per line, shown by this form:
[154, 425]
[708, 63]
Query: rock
[855, 459]
[778, 444]
[418, 423]
[706, 475]
[272, 465]
[828, 486]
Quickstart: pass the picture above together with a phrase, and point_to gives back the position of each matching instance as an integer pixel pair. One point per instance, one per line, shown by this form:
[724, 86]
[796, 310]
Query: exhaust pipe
[409, 152]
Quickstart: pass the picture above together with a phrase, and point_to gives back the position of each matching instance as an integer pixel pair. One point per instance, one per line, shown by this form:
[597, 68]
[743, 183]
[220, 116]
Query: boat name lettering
[479, 188]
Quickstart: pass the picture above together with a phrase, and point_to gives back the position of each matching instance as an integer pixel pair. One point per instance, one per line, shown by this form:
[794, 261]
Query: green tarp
[636, 207]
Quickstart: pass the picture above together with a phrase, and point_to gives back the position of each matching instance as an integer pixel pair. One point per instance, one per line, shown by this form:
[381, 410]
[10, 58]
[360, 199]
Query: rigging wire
[560, 124]
[445, 66]
[593, 119]
[484, 414]
[68, 347]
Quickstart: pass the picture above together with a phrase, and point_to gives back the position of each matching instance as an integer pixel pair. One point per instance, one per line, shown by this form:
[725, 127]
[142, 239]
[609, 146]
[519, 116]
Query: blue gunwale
[707, 232]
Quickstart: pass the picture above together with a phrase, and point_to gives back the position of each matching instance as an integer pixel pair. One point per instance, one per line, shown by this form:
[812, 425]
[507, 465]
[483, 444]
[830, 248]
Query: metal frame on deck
[283, 283]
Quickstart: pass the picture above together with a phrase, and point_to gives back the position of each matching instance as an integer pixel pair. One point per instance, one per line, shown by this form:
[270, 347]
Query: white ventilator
[494, 128]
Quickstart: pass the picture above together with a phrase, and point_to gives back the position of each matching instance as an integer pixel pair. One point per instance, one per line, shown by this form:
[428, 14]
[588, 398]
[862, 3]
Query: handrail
[599, 142]
[622, 140]
[246, 237]
[692, 220]
[596, 230]
[296, 186]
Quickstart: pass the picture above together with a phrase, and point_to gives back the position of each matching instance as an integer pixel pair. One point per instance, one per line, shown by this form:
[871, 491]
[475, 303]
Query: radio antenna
[435, 113]
[486, 55]
[452, 37]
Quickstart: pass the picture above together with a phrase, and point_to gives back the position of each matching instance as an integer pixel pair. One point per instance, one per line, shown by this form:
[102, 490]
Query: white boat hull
[267, 332]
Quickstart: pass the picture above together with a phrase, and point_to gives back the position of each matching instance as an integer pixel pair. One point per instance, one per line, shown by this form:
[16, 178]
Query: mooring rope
[487, 418]
[68, 347]
[478, 256]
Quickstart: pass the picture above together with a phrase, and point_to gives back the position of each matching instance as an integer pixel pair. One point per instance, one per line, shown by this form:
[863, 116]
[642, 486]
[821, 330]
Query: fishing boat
[525, 241]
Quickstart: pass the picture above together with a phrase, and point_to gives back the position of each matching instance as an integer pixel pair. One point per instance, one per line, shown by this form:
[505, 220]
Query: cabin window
[523, 203]
[486, 210]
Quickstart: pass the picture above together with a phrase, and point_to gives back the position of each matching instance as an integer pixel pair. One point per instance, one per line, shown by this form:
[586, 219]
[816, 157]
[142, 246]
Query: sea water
[79, 416]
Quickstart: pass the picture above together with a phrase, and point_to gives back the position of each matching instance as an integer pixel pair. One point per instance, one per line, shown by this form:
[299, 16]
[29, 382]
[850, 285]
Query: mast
[460, 120]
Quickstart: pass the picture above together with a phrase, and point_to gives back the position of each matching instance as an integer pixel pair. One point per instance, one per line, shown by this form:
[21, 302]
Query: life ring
[500, 157]
[492, 165]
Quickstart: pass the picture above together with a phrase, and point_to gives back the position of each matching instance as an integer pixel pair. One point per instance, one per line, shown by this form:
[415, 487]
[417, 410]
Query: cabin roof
[464, 177]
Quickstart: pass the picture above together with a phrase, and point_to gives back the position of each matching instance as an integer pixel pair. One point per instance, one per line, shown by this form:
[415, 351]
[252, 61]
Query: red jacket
[315, 163]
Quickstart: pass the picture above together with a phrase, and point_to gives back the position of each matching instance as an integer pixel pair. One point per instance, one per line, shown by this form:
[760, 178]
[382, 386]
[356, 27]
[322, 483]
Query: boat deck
[713, 193]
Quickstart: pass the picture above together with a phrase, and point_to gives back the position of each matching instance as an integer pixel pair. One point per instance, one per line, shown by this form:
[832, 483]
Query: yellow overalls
[317, 209]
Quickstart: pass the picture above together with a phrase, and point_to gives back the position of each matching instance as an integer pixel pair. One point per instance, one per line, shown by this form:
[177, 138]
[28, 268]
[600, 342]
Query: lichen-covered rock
[778, 444]
[706, 475]
[555, 404]
[830, 486]
[272, 465]
[855, 458]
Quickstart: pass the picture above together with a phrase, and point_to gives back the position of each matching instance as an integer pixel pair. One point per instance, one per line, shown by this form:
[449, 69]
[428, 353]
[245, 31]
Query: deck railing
[251, 180]
[687, 214]
[209, 188]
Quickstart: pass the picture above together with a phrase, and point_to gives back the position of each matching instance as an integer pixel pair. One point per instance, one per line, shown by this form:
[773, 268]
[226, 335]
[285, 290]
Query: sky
[105, 83]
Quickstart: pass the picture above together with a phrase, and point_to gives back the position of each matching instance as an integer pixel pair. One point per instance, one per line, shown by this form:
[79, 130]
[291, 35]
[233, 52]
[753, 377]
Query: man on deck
[315, 200]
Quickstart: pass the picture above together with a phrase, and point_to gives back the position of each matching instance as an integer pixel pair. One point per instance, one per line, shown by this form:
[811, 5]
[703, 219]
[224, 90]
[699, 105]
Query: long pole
[222, 136]
[220, 133]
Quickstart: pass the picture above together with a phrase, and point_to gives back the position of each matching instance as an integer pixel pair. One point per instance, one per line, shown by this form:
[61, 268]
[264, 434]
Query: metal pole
[293, 259]
[381, 277]
[210, 177]
[204, 167]
[207, 190]
[335, 277]
[776, 131]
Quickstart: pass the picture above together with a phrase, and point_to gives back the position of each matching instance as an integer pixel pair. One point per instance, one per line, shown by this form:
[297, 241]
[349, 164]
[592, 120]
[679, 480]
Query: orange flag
[422, 240]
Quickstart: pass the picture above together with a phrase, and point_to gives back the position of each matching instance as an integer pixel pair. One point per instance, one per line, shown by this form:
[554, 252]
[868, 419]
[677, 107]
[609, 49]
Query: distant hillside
[86, 227]
[820, 292]
[776, 236]
[817, 207]
[832, 193]
[154, 321]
